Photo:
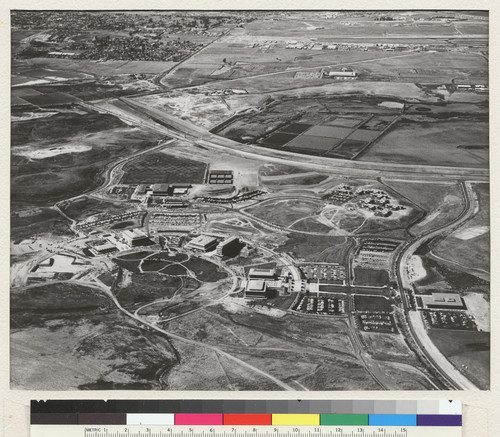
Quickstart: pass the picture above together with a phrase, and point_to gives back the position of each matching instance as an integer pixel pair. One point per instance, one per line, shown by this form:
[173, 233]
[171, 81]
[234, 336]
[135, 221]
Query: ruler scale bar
[257, 431]
[242, 418]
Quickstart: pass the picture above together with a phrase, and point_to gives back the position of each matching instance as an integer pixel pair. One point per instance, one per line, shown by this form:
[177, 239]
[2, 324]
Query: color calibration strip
[248, 419]
[371, 413]
[238, 406]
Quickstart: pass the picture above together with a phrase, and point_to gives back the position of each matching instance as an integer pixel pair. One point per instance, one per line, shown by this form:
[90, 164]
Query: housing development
[250, 200]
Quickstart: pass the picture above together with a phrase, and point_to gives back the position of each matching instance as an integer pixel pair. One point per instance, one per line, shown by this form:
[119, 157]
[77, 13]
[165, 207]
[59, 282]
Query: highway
[446, 370]
[184, 130]
[180, 129]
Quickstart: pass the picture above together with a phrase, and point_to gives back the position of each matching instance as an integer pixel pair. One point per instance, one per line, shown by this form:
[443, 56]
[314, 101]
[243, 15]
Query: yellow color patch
[296, 419]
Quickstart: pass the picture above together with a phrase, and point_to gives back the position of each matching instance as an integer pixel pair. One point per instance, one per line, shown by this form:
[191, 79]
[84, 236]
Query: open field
[60, 126]
[257, 339]
[248, 118]
[284, 212]
[468, 351]
[59, 176]
[202, 110]
[51, 99]
[43, 221]
[205, 271]
[375, 278]
[305, 179]
[85, 207]
[321, 24]
[98, 68]
[208, 65]
[372, 303]
[436, 138]
[432, 144]
[310, 123]
[317, 248]
[61, 327]
[469, 246]
[231, 57]
[88, 90]
[441, 202]
[444, 276]
[310, 224]
[428, 67]
[388, 347]
[146, 288]
[202, 369]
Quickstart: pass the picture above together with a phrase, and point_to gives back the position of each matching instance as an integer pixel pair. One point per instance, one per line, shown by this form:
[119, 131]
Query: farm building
[342, 75]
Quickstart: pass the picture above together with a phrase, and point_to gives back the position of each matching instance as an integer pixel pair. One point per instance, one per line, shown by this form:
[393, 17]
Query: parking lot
[324, 273]
[332, 306]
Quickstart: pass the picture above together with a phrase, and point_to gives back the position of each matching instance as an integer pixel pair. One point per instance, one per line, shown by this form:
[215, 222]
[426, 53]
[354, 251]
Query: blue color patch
[392, 420]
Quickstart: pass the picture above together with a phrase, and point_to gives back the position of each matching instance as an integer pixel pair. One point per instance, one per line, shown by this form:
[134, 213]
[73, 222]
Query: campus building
[443, 301]
[256, 288]
[203, 243]
[104, 248]
[135, 237]
[229, 247]
[261, 274]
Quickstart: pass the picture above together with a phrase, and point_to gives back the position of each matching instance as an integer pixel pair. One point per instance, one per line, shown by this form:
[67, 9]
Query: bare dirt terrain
[249, 200]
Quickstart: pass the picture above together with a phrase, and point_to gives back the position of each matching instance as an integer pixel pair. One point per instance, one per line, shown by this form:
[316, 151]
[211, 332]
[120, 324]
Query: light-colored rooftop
[203, 240]
[256, 285]
[262, 272]
[442, 299]
[134, 233]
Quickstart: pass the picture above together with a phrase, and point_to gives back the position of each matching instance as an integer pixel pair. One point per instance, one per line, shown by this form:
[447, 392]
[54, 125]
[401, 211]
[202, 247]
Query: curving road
[107, 290]
[437, 360]
[147, 117]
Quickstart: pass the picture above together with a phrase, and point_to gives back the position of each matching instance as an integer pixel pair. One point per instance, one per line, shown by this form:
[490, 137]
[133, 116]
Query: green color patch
[344, 419]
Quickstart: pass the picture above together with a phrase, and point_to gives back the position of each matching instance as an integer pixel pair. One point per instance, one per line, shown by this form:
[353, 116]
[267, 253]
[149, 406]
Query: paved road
[106, 290]
[184, 130]
[319, 67]
[445, 369]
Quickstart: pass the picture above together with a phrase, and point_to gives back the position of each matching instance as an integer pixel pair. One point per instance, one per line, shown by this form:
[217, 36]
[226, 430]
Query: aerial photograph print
[249, 200]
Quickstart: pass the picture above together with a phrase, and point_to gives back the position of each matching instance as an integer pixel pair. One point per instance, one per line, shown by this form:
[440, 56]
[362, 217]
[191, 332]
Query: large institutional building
[203, 243]
[229, 247]
[135, 237]
[262, 274]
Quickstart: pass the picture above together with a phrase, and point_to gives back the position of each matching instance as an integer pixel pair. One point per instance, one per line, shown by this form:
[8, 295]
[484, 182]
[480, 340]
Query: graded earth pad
[250, 200]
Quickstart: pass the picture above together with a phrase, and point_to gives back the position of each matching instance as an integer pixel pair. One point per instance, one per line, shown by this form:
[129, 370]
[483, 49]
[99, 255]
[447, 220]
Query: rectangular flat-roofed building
[261, 273]
[229, 247]
[141, 189]
[452, 301]
[220, 177]
[204, 243]
[256, 289]
[135, 237]
[162, 190]
[341, 75]
[102, 249]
